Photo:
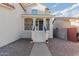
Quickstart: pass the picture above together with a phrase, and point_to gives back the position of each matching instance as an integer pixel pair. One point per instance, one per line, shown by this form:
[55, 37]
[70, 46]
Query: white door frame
[38, 35]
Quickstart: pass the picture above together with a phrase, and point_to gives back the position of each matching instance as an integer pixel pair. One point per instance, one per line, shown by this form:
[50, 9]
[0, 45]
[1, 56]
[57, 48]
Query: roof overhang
[7, 5]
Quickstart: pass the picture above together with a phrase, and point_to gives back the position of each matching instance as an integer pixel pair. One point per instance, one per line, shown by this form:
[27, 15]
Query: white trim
[37, 16]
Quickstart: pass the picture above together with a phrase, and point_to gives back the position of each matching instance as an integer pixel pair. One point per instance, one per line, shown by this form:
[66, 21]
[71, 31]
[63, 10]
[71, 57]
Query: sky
[64, 9]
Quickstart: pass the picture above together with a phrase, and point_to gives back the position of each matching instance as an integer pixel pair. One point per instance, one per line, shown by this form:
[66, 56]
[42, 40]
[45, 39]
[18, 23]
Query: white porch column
[44, 21]
[45, 30]
[33, 27]
[51, 28]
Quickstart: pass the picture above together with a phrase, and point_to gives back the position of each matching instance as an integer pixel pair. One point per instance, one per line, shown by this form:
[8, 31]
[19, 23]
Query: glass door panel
[40, 25]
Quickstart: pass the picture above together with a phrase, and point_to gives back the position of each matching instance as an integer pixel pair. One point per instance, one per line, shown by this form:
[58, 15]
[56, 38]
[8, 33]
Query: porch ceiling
[37, 16]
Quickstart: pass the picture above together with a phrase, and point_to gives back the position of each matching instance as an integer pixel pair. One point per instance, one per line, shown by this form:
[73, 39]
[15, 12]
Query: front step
[39, 42]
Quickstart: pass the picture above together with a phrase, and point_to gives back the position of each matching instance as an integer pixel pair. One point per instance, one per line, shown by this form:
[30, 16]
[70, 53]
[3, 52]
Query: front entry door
[40, 25]
[38, 35]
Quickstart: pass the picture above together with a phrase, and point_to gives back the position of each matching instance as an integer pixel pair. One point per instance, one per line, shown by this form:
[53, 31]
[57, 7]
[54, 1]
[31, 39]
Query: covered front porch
[37, 27]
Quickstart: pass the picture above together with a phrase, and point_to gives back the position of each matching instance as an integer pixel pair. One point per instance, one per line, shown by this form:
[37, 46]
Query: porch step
[40, 49]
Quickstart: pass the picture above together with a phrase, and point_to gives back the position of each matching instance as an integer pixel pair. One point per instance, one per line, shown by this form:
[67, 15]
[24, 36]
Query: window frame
[34, 12]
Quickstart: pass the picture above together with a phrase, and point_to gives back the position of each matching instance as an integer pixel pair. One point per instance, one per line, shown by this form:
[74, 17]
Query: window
[74, 22]
[34, 11]
[28, 24]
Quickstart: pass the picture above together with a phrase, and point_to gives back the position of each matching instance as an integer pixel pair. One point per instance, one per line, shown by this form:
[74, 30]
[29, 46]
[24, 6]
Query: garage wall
[59, 23]
[61, 32]
[11, 24]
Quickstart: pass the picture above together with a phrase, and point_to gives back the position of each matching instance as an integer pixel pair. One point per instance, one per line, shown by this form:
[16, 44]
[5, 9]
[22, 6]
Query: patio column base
[46, 41]
[31, 41]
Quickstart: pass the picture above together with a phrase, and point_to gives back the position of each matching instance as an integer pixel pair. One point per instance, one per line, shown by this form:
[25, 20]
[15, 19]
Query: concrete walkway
[40, 49]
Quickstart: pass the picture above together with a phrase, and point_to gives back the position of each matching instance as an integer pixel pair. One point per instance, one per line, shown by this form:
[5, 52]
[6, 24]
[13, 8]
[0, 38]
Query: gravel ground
[21, 47]
[59, 47]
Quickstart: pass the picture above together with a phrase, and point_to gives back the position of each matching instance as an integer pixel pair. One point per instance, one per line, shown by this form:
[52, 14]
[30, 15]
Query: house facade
[19, 20]
[37, 23]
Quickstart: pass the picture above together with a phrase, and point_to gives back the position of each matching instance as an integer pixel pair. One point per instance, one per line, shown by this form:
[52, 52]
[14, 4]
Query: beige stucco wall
[60, 23]
[39, 7]
[50, 32]
[11, 24]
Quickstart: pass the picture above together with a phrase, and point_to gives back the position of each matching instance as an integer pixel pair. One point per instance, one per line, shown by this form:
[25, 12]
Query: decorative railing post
[45, 28]
[33, 27]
